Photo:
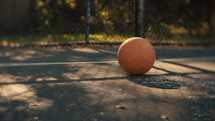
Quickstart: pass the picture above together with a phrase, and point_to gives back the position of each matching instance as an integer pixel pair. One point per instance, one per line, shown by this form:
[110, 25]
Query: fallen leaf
[165, 117]
[36, 118]
[120, 107]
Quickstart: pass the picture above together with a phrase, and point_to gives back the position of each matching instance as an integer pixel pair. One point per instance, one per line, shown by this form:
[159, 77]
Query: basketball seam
[141, 68]
[130, 59]
[148, 44]
[135, 63]
[146, 55]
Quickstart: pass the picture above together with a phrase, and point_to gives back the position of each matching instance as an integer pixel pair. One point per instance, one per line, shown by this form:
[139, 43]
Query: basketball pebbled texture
[136, 56]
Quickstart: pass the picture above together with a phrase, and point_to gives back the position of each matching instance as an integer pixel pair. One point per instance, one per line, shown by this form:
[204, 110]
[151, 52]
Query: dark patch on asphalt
[154, 81]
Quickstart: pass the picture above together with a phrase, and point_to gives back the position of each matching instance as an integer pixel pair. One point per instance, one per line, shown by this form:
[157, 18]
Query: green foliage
[111, 15]
[64, 20]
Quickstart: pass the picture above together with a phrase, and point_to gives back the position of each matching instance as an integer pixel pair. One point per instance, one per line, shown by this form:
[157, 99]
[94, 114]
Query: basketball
[136, 56]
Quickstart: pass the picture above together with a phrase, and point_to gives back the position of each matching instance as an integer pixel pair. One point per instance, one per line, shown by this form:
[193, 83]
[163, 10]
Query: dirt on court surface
[87, 84]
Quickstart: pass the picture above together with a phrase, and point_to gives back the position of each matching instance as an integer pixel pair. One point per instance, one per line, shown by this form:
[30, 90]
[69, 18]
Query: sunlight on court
[82, 85]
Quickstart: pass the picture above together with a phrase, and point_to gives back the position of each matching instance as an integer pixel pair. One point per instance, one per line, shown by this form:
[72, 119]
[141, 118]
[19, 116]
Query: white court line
[100, 62]
[210, 58]
[52, 63]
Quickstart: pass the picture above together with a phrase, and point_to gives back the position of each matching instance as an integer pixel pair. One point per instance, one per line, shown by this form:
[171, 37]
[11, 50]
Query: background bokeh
[64, 21]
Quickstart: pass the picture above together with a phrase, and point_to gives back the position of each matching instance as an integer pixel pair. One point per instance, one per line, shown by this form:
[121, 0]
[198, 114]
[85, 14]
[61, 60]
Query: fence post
[139, 18]
[87, 22]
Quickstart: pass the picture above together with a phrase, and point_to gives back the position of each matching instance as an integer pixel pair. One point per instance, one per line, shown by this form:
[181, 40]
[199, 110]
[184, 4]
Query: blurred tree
[194, 17]
[111, 15]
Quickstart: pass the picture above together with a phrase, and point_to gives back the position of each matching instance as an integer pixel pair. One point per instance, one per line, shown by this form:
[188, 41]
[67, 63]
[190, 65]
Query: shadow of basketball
[154, 81]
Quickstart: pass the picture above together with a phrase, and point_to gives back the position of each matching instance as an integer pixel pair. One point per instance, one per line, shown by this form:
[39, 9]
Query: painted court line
[210, 58]
[100, 62]
[52, 63]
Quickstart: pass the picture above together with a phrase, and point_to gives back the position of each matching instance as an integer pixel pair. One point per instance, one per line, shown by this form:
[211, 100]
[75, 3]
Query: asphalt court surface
[87, 84]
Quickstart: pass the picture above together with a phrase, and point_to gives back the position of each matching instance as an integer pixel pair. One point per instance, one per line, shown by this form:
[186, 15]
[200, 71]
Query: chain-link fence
[111, 21]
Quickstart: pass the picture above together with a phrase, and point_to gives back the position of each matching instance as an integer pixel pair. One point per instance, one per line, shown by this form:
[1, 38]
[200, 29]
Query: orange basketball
[136, 56]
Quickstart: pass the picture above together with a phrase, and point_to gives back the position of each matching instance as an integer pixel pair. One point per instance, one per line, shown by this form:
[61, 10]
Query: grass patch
[80, 38]
[62, 38]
